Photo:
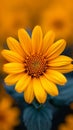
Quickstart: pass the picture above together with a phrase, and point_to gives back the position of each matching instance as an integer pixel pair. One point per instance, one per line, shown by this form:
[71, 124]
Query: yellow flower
[58, 19]
[8, 115]
[68, 125]
[3, 61]
[13, 15]
[67, 4]
[36, 64]
[36, 6]
[71, 106]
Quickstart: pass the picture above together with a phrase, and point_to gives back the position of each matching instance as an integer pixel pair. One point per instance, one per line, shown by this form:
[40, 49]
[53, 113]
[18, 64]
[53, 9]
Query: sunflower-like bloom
[36, 65]
[8, 115]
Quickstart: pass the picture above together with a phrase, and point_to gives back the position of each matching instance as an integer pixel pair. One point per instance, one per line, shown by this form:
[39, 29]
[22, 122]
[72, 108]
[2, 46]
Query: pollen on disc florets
[36, 65]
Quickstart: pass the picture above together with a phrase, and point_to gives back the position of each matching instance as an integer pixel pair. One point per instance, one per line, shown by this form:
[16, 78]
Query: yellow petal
[63, 69]
[55, 77]
[13, 78]
[25, 41]
[39, 92]
[22, 83]
[56, 49]
[13, 68]
[12, 56]
[36, 39]
[15, 46]
[60, 61]
[48, 86]
[48, 40]
[29, 93]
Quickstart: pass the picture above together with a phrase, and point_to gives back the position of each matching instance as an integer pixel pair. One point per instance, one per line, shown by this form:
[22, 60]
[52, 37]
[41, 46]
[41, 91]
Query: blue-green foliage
[38, 118]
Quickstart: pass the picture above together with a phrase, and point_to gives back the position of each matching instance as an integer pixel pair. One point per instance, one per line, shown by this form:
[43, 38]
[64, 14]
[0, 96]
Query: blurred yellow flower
[67, 4]
[13, 15]
[71, 106]
[2, 90]
[2, 61]
[68, 125]
[36, 6]
[57, 19]
[35, 64]
[8, 114]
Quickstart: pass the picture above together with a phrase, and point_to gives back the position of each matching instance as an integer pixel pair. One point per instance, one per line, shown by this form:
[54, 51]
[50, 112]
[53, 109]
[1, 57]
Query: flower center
[35, 65]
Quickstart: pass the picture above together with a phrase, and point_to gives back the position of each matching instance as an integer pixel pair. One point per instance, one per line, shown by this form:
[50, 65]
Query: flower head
[58, 19]
[35, 64]
[8, 114]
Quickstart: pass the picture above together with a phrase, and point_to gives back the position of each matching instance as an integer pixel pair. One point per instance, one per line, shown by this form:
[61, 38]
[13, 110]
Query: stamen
[35, 65]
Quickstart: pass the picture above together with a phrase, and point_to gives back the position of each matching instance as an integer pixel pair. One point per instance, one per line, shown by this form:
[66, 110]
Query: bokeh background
[56, 15]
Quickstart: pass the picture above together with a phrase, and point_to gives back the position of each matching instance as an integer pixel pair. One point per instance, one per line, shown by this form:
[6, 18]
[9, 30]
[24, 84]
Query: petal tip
[37, 28]
[21, 30]
[63, 41]
[65, 81]
[9, 40]
[17, 90]
[57, 93]
[3, 53]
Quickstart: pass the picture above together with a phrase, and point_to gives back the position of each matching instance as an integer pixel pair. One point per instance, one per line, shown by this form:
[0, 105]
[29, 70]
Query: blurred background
[56, 15]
